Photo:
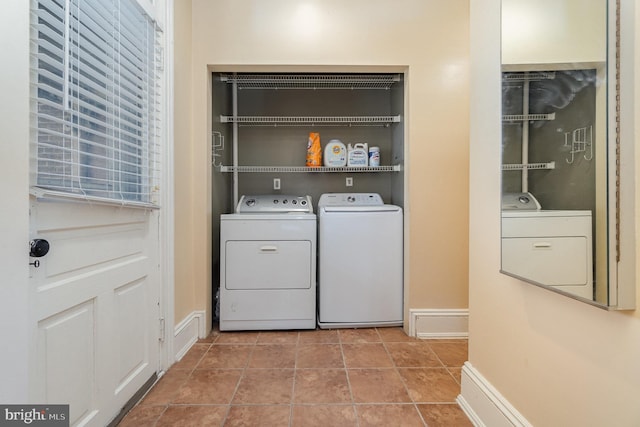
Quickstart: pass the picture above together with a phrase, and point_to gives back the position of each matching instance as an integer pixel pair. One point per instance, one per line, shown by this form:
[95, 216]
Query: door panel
[95, 305]
[68, 365]
[76, 249]
[132, 308]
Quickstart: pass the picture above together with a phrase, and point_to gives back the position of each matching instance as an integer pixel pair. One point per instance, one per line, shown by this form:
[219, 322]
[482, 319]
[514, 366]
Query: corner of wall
[439, 323]
[484, 405]
[187, 332]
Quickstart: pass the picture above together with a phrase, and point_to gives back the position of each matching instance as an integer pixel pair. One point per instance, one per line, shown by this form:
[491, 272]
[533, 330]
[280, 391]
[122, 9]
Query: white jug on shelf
[358, 155]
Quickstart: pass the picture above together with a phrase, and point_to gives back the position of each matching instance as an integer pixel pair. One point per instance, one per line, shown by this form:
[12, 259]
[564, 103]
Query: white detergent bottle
[335, 154]
[358, 155]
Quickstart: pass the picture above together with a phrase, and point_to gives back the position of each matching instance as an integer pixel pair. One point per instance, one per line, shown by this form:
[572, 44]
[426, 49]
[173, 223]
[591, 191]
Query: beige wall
[185, 283]
[558, 361]
[335, 35]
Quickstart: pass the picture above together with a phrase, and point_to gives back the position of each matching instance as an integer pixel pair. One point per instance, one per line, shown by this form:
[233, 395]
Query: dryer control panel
[275, 203]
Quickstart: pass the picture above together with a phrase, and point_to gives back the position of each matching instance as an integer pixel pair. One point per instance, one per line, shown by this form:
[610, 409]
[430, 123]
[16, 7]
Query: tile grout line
[295, 376]
[446, 368]
[166, 407]
[346, 373]
[404, 383]
[155, 423]
[242, 375]
[228, 411]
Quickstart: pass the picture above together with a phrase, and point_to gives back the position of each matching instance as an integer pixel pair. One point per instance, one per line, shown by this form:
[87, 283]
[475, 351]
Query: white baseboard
[484, 405]
[187, 332]
[439, 323]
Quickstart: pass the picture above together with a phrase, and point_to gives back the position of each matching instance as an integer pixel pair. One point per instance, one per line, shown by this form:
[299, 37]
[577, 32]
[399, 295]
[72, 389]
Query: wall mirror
[557, 144]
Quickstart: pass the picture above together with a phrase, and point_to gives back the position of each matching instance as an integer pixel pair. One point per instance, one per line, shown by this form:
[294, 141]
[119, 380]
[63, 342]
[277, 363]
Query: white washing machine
[268, 264]
[360, 255]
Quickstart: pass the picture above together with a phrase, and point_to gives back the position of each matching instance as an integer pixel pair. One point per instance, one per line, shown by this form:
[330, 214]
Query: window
[95, 100]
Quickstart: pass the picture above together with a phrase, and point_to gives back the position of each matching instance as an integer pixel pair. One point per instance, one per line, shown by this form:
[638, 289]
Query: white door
[94, 307]
[94, 298]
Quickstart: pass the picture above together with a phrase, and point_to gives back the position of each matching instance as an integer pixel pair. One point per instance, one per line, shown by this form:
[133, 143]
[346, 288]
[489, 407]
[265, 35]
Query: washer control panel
[275, 204]
[350, 199]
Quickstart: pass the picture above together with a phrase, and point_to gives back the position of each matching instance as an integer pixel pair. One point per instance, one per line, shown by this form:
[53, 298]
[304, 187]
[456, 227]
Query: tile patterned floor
[344, 377]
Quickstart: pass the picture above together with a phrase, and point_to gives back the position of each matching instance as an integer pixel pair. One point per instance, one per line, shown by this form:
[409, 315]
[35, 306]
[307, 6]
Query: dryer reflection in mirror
[551, 248]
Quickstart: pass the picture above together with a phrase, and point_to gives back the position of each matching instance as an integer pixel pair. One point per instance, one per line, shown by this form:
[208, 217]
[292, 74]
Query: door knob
[39, 248]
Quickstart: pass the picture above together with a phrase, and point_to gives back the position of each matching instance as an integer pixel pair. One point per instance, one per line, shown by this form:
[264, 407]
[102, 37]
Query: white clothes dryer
[268, 264]
[552, 248]
[360, 272]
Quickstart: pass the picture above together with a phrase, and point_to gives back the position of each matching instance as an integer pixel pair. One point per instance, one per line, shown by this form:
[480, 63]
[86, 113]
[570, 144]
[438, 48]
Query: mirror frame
[622, 158]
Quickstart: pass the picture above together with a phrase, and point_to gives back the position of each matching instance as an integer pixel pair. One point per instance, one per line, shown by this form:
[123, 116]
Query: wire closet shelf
[277, 81]
[308, 169]
[311, 120]
[312, 81]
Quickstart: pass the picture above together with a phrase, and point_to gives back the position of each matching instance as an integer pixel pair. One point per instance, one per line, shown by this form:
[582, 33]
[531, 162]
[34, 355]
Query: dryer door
[268, 264]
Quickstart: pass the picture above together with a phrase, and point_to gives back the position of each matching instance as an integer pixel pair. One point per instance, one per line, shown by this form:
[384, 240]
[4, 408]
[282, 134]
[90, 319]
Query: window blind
[95, 100]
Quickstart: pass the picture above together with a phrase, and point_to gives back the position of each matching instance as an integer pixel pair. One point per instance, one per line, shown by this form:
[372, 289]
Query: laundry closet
[261, 125]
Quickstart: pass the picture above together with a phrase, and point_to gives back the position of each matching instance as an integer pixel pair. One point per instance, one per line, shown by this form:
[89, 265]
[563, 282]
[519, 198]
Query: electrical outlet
[276, 183]
[349, 181]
